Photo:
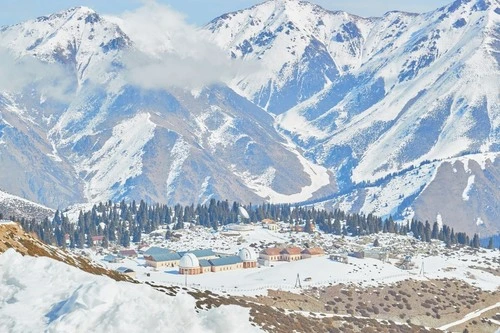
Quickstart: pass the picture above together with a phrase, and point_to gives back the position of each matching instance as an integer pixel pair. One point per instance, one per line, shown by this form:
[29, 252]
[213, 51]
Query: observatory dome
[247, 254]
[189, 260]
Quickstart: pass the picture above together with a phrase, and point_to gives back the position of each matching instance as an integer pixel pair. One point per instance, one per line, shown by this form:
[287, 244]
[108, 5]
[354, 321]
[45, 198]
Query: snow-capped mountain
[367, 114]
[377, 99]
[108, 139]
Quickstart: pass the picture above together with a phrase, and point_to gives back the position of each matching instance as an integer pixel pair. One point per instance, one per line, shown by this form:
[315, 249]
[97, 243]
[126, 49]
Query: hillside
[11, 205]
[12, 236]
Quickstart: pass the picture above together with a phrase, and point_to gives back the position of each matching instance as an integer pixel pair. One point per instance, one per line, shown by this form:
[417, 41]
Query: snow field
[40, 294]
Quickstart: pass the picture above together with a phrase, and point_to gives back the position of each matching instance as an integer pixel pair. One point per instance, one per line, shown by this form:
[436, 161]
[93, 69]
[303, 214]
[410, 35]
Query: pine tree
[427, 232]
[435, 231]
[490, 243]
[308, 227]
[125, 238]
[475, 241]
[337, 227]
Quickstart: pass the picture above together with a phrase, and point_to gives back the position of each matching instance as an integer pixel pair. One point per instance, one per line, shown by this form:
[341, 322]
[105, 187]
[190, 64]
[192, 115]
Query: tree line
[123, 223]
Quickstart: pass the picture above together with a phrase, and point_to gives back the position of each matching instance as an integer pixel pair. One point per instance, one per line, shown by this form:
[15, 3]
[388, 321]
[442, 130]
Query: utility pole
[297, 282]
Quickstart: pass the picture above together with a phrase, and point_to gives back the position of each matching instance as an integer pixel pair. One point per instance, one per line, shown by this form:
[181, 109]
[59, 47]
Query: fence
[288, 287]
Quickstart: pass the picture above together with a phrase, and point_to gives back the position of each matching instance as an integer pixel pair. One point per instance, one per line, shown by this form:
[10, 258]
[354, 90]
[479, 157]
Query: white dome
[189, 260]
[247, 254]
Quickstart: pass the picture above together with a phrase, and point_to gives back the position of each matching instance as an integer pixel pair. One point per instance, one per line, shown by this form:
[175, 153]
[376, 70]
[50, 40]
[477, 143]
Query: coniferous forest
[124, 223]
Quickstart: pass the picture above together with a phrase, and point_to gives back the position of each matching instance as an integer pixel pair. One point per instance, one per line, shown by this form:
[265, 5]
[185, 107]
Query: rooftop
[272, 251]
[124, 270]
[224, 261]
[205, 263]
[157, 250]
[164, 256]
[292, 250]
[199, 253]
[314, 251]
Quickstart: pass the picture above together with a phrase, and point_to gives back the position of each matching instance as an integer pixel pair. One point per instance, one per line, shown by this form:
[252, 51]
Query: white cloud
[21, 72]
[171, 53]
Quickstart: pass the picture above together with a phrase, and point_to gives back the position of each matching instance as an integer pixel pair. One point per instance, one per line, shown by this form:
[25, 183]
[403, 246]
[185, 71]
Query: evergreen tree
[435, 231]
[490, 243]
[427, 232]
[125, 238]
[475, 241]
[337, 227]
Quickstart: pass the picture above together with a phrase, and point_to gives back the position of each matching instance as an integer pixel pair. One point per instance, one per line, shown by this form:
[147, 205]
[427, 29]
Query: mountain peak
[78, 12]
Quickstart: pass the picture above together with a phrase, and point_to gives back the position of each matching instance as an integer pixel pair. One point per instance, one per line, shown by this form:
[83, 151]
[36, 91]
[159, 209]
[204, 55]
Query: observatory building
[248, 257]
[189, 265]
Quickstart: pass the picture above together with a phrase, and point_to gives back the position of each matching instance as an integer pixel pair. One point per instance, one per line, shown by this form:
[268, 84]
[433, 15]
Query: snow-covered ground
[43, 295]
[437, 262]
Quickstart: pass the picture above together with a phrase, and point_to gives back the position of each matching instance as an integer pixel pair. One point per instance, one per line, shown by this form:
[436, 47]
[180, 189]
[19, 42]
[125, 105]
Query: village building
[226, 263]
[67, 239]
[159, 260]
[291, 254]
[126, 271]
[189, 265]
[270, 254]
[157, 250]
[128, 253]
[201, 254]
[312, 253]
[340, 257]
[272, 226]
[357, 254]
[97, 240]
[112, 259]
[298, 228]
[379, 254]
[205, 265]
[267, 221]
[248, 257]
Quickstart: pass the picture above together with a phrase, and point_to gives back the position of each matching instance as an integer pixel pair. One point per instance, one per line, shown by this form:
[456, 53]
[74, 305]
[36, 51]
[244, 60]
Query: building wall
[270, 258]
[227, 267]
[190, 271]
[291, 257]
[307, 255]
[206, 269]
[159, 264]
[249, 264]
[151, 263]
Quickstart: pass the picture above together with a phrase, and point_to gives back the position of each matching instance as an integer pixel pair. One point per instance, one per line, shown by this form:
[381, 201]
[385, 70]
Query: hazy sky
[199, 12]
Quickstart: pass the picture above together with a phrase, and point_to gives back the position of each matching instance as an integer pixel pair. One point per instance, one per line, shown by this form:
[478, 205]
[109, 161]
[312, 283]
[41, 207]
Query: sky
[199, 12]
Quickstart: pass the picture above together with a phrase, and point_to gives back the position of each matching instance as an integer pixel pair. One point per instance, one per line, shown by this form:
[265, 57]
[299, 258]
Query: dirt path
[469, 316]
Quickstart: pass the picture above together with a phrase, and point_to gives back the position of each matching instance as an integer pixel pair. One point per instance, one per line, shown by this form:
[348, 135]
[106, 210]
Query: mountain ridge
[336, 104]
